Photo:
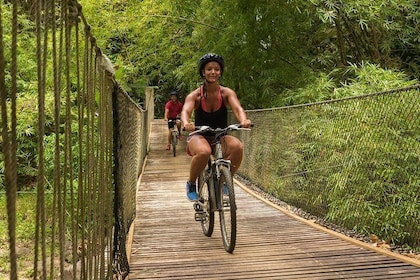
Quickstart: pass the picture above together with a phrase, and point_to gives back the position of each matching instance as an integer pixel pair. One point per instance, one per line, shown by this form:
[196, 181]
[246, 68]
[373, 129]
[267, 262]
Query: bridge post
[150, 106]
[150, 102]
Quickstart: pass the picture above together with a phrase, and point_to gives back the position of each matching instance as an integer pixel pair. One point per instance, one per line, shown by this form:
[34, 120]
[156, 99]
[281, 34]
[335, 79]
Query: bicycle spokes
[227, 214]
[204, 212]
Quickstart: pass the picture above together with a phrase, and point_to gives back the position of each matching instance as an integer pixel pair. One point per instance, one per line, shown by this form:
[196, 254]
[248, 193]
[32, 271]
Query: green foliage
[377, 181]
[320, 89]
[360, 30]
[25, 232]
[353, 80]
[1, 171]
[26, 88]
[369, 78]
[275, 52]
[27, 104]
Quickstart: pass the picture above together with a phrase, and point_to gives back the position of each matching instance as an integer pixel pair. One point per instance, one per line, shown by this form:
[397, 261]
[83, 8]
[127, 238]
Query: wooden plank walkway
[168, 244]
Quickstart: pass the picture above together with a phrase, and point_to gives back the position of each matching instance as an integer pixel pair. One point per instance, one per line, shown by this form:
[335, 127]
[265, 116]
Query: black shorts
[172, 122]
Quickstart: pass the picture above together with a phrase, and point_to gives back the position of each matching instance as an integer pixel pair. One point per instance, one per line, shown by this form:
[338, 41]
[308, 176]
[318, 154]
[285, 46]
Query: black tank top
[216, 119]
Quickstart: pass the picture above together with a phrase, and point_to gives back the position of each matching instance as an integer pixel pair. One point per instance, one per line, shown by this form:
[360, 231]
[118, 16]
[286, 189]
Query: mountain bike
[216, 191]
[174, 136]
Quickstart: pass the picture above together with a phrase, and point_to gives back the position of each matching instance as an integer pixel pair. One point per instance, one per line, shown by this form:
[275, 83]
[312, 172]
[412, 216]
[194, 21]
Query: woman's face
[212, 71]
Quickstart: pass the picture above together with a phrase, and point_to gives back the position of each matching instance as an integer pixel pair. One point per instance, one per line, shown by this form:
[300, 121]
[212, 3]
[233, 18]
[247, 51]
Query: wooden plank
[168, 243]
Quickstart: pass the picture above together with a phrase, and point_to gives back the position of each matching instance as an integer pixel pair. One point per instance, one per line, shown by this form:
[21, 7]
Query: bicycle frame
[216, 191]
[215, 162]
[174, 136]
[175, 131]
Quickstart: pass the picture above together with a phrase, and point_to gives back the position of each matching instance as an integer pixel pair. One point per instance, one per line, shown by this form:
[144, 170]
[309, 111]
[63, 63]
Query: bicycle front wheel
[174, 142]
[205, 185]
[227, 209]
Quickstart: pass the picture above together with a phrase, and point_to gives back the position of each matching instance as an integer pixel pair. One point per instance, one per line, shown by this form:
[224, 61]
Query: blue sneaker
[191, 191]
[225, 189]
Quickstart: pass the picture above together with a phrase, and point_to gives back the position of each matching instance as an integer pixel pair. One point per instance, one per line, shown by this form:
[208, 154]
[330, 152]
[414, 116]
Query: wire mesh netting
[131, 130]
[354, 162]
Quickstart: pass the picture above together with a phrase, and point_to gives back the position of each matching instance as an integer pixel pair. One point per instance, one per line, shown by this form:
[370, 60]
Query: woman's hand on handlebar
[246, 123]
[189, 127]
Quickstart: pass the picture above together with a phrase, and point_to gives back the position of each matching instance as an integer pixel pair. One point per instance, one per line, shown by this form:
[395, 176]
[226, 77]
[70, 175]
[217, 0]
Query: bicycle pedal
[197, 207]
[199, 216]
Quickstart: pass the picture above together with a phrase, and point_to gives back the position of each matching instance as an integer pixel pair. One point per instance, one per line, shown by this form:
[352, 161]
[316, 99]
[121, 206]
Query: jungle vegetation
[277, 53]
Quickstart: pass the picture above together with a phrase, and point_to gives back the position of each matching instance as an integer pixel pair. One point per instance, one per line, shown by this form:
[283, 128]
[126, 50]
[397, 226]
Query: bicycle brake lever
[204, 127]
[239, 127]
[201, 129]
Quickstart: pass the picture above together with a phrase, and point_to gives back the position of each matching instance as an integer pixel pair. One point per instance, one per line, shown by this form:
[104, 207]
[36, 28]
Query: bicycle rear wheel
[205, 185]
[227, 209]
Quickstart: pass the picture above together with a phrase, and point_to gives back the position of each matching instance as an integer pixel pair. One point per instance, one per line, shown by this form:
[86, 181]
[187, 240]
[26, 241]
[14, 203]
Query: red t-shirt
[174, 108]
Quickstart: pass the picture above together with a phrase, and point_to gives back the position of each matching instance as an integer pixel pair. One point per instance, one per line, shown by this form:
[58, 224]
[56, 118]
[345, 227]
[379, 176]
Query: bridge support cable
[8, 134]
[91, 141]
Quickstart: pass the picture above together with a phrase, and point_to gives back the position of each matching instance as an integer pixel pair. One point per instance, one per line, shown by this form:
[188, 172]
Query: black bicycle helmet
[174, 93]
[207, 58]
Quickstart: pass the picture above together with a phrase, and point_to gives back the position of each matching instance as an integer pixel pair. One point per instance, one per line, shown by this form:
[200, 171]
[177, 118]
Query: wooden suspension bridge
[167, 243]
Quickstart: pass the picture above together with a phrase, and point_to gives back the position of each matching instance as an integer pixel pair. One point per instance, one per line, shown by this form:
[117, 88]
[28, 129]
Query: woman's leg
[233, 151]
[200, 150]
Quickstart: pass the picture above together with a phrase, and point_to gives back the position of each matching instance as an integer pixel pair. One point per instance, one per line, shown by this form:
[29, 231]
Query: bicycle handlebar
[205, 128]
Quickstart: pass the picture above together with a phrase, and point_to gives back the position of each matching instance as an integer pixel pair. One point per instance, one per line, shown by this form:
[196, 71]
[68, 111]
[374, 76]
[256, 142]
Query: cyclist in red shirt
[173, 110]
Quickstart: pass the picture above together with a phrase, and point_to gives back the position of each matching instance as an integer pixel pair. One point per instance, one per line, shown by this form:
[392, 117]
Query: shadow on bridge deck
[168, 243]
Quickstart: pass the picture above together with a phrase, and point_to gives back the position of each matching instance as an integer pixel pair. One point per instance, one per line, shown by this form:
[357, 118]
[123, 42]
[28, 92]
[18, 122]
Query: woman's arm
[187, 109]
[237, 109]
[165, 115]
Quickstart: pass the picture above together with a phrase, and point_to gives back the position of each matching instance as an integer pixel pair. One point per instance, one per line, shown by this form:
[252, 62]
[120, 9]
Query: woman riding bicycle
[209, 103]
[173, 110]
